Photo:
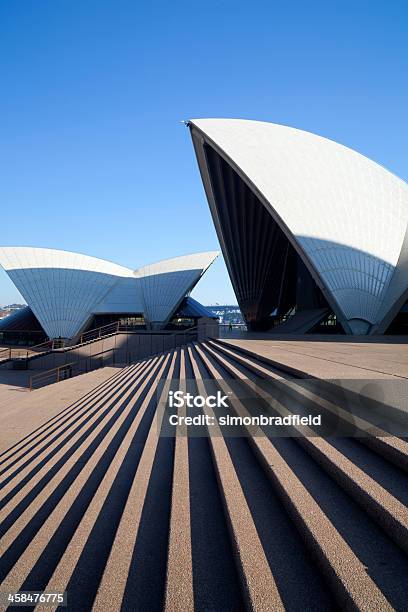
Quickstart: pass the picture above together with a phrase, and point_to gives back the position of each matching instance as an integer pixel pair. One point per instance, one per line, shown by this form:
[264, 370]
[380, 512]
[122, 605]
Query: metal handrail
[58, 369]
[48, 345]
[7, 351]
[111, 328]
[25, 353]
[11, 352]
[45, 344]
[97, 332]
[48, 373]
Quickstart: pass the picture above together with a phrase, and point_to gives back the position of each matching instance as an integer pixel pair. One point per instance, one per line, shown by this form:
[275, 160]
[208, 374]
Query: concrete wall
[208, 328]
[120, 348]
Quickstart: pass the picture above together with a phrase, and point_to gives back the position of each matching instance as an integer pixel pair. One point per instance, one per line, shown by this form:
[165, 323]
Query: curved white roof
[12, 258]
[165, 283]
[65, 289]
[347, 214]
[194, 261]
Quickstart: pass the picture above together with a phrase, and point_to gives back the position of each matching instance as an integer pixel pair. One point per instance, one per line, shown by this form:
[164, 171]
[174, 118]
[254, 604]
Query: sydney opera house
[311, 231]
[314, 236]
[69, 293]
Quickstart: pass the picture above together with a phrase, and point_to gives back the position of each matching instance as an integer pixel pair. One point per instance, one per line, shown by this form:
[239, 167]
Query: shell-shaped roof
[347, 214]
[12, 258]
[194, 261]
[65, 289]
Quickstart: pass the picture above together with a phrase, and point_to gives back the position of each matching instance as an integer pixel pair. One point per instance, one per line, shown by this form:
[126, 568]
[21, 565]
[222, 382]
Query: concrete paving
[93, 501]
[328, 357]
[22, 411]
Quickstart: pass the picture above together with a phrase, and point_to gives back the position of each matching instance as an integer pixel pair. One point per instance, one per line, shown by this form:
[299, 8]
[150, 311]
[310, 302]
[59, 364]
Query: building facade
[309, 228]
[67, 292]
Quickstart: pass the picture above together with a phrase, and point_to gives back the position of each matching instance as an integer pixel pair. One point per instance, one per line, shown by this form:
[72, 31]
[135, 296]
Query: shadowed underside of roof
[275, 190]
[22, 319]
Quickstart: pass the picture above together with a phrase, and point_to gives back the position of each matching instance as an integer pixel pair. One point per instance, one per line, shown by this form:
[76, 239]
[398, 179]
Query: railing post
[58, 374]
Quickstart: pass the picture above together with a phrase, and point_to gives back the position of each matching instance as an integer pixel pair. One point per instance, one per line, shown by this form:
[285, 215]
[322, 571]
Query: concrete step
[47, 485]
[22, 412]
[93, 501]
[112, 588]
[38, 465]
[179, 579]
[347, 576]
[66, 566]
[393, 448]
[59, 426]
[258, 584]
[389, 512]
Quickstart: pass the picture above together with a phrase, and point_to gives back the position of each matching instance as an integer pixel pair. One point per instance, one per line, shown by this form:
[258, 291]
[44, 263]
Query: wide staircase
[94, 502]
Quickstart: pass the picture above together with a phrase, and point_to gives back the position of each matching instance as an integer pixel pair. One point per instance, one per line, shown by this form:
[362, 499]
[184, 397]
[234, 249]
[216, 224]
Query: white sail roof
[347, 214]
[65, 289]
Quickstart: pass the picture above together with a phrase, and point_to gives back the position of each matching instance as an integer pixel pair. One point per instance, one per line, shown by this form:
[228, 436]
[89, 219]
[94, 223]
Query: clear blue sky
[93, 156]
